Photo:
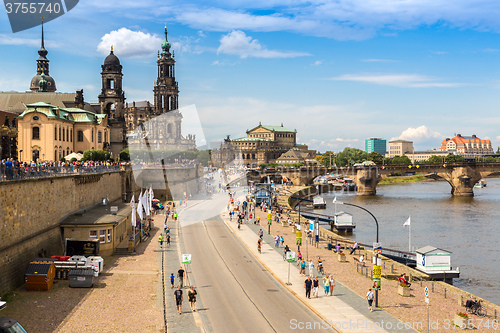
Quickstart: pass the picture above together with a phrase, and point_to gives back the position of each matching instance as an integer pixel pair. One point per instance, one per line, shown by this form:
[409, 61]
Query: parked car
[9, 325]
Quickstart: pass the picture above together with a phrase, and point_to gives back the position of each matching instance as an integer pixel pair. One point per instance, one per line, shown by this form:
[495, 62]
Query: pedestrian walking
[165, 228]
[178, 299]
[303, 267]
[180, 276]
[276, 240]
[315, 286]
[311, 267]
[285, 250]
[369, 298]
[160, 239]
[172, 278]
[308, 284]
[175, 216]
[326, 284]
[282, 240]
[261, 233]
[192, 298]
[354, 247]
[168, 239]
[332, 284]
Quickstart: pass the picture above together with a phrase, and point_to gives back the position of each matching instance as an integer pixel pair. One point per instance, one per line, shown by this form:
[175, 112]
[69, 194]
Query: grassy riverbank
[404, 179]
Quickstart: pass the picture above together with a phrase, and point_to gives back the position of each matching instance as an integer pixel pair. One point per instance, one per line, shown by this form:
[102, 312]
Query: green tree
[95, 155]
[350, 156]
[327, 159]
[454, 159]
[375, 157]
[435, 159]
[203, 157]
[401, 160]
[498, 150]
[124, 155]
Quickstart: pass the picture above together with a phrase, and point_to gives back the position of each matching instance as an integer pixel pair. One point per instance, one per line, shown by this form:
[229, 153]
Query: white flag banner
[407, 223]
[145, 202]
[132, 204]
[151, 196]
[139, 206]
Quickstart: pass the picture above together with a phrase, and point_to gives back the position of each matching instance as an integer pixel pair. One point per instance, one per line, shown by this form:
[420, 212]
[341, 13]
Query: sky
[338, 72]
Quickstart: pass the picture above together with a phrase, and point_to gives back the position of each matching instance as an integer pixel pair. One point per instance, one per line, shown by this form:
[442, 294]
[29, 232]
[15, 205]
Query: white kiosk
[436, 263]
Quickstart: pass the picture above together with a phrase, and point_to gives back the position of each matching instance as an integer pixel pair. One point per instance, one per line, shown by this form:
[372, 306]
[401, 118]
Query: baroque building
[162, 120]
[263, 144]
[467, 145]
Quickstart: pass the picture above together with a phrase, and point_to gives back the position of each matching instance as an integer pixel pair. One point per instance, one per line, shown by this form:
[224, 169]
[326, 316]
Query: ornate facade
[161, 121]
[467, 145]
[263, 144]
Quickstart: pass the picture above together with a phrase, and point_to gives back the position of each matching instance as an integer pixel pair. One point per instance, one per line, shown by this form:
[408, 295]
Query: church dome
[35, 83]
[111, 59]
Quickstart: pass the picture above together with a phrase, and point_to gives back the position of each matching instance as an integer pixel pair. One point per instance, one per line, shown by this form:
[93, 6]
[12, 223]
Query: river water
[467, 227]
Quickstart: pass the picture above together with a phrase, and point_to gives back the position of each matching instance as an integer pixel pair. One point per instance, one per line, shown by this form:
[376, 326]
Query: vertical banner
[377, 275]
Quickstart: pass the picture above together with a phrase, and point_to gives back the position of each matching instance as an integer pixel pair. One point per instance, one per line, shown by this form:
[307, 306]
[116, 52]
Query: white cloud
[397, 80]
[128, 43]
[418, 134]
[10, 40]
[238, 43]
[318, 62]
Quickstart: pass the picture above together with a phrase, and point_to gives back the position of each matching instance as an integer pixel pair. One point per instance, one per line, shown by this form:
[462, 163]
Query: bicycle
[475, 307]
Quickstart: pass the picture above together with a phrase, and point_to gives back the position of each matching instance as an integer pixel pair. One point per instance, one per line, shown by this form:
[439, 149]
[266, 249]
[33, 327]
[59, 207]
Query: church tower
[166, 90]
[42, 67]
[112, 100]
[112, 97]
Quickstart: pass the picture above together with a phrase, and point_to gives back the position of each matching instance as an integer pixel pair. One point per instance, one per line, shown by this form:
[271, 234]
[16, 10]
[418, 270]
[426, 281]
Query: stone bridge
[461, 176]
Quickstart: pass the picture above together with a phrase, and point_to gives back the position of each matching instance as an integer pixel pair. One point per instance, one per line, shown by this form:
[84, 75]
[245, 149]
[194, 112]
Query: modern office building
[376, 144]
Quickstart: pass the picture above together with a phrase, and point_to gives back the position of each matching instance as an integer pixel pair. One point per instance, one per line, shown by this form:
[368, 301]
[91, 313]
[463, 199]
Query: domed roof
[111, 59]
[35, 83]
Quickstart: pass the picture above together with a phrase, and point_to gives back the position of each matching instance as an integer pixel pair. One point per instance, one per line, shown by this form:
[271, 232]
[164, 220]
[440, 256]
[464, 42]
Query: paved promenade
[345, 311]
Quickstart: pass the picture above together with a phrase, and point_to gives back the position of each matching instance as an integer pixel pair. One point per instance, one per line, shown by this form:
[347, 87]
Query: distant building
[8, 135]
[419, 156]
[263, 144]
[466, 145]
[399, 148]
[376, 145]
[296, 155]
[47, 132]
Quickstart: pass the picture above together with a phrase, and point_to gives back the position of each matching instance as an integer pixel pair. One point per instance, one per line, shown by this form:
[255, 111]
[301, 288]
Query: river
[467, 227]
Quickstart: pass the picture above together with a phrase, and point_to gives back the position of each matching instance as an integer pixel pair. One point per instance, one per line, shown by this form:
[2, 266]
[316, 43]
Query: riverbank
[405, 179]
[445, 300]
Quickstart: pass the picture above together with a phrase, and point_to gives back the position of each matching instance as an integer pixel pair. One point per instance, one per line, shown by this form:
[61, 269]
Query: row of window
[103, 237]
[69, 135]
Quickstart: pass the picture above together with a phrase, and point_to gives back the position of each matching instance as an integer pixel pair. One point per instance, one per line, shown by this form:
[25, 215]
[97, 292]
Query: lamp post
[376, 222]
[306, 234]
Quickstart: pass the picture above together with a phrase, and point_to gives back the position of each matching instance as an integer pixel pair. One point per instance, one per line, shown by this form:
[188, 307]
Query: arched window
[36, 133]
[99, 137]
[55, 133]
[63, 134]
[79, 136]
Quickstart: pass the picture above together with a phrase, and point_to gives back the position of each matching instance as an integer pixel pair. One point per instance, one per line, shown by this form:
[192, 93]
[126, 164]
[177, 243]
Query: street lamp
[376, 222]
[306, 234]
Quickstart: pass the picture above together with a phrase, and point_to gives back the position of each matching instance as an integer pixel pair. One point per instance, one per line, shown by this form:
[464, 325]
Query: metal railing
[42, 171]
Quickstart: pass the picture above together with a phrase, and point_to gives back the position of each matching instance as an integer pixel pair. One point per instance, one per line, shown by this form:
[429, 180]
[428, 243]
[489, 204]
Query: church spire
[166, 44]
[43, 52]
[42, 67]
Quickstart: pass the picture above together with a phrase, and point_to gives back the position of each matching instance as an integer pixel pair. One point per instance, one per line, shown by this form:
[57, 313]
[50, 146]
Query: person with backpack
[369, 297]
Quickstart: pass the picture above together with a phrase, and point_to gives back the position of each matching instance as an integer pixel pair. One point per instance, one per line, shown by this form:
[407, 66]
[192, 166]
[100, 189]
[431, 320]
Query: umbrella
[156, 200]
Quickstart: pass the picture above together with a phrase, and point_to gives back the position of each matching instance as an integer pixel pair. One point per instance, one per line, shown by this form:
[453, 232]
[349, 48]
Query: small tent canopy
[73, 155]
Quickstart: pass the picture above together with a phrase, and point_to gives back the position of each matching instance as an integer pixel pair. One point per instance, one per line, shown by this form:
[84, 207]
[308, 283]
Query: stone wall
[31, 210]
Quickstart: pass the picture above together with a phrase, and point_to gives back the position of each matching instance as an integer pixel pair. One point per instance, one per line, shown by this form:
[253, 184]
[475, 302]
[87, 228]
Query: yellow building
[48, 133]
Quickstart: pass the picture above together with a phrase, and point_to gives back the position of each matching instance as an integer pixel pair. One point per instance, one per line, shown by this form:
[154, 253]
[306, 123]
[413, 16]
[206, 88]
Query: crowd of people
[11, 169]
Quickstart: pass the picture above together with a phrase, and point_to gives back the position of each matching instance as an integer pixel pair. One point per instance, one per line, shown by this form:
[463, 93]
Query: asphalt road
[237, 293]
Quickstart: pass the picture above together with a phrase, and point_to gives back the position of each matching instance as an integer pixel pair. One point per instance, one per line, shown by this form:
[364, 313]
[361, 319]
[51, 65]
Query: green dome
[166, 44]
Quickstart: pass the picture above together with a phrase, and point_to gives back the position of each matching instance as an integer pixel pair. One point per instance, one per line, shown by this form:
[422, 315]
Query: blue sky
[337, 71]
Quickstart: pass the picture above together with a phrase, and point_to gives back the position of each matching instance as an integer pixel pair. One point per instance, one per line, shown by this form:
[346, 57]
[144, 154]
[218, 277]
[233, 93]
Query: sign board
[376, 284]
[290, 256]
[377, 272]
[426, 291]
[427, 300]
[377, 248]
[269, 216]
[299, 234]
[186, 258]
